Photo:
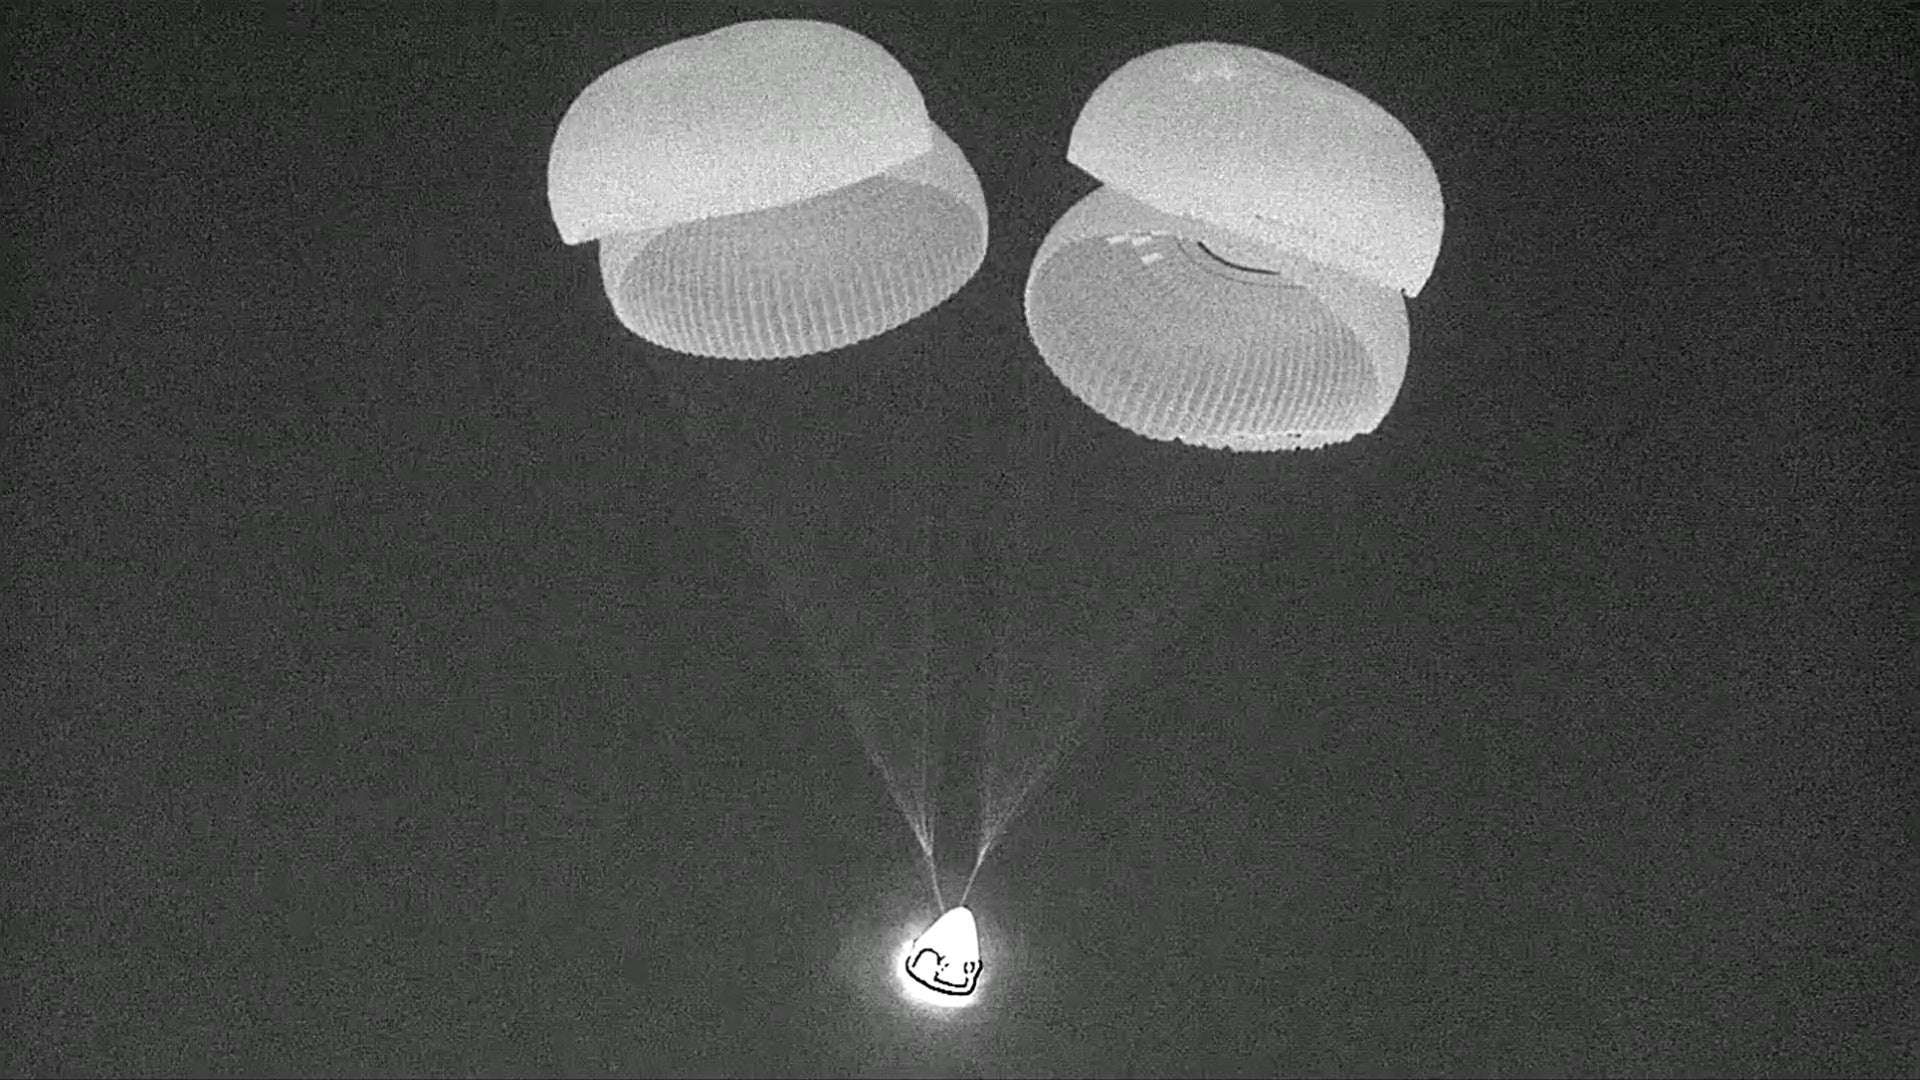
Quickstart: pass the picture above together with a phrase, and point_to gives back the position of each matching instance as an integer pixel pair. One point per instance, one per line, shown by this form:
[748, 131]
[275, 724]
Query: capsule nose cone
[952, 929]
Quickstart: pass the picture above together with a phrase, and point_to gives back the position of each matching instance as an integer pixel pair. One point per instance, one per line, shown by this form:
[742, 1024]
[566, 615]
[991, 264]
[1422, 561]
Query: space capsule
[945, 958]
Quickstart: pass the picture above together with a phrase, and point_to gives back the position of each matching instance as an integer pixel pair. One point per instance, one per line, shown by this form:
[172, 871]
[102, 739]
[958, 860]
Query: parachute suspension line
[992, 759]
[933, 878]
[924, 528]
[1013, 541]
[975, 872]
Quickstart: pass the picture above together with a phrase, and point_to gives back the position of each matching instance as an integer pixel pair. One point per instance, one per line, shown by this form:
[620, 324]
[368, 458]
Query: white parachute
[770, 189]
[1238, 281]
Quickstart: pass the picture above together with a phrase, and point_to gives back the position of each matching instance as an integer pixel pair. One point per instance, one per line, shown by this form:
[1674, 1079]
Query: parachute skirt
[817, 275]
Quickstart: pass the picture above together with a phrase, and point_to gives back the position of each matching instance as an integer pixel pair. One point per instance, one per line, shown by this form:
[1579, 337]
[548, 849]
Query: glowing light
[942, 966]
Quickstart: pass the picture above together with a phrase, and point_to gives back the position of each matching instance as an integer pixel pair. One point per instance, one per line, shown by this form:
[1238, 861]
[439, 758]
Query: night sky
[409, 671]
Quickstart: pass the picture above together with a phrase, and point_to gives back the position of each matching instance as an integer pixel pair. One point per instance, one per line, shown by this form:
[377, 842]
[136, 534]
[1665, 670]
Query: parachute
[1238, 282]
[776, 189]
[771, 189]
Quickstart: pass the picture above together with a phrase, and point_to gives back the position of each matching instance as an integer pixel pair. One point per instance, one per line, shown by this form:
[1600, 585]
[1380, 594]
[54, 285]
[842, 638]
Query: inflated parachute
[1237, 283]
[770, 189]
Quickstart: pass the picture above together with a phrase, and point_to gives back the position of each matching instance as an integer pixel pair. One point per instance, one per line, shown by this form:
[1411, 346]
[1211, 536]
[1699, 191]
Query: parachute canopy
[772, 188]
[1239, 280]
[1267, 149]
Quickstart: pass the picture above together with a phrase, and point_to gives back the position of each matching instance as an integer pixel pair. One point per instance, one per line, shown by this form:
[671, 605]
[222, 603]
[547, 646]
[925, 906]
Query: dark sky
[410, 671]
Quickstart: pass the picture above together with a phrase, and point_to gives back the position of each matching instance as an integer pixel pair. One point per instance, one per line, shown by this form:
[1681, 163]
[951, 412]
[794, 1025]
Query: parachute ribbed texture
[793, 280]
[1157, 336]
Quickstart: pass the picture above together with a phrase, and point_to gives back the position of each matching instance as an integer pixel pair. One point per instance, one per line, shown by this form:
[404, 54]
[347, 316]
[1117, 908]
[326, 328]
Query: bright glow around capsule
[942, 965]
